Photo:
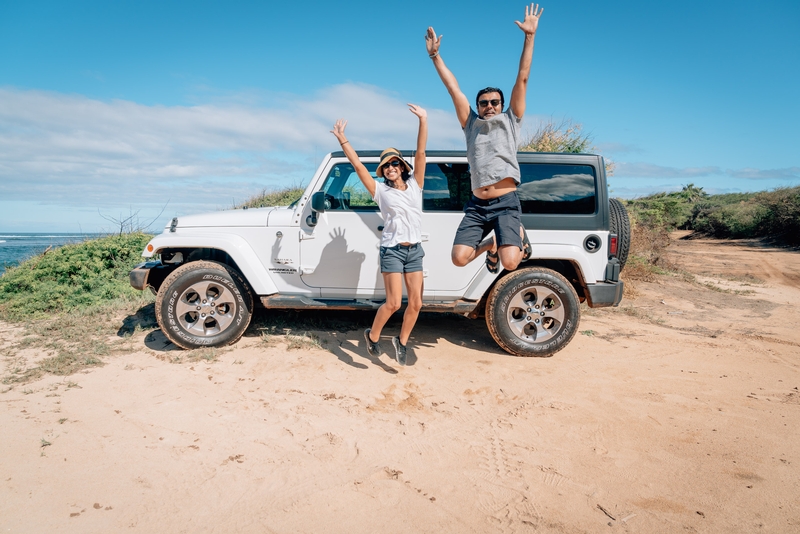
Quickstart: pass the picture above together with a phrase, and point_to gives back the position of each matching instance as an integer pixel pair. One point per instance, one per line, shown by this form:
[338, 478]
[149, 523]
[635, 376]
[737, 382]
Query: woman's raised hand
[338, 130]
[418, 111]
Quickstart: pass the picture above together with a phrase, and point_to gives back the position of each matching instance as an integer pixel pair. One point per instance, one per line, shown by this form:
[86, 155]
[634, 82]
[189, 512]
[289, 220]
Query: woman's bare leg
[393, 282]
[414, 286]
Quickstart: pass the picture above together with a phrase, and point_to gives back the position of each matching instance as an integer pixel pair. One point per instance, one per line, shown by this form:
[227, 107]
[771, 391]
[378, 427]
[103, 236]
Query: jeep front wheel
[533, 312]
[204, 304]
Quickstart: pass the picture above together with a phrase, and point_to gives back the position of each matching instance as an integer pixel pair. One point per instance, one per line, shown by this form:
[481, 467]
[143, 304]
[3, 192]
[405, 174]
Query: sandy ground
[677, 412]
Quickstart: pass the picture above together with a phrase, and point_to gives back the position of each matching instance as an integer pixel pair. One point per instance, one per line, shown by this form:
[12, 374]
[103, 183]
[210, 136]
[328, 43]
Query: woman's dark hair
[405, 175]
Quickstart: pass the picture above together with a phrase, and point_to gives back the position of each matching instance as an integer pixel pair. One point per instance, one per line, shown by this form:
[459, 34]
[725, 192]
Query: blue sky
[155, 109]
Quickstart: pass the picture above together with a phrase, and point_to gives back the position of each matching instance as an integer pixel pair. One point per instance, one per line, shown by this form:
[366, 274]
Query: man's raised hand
[531, 22]
[432, 42]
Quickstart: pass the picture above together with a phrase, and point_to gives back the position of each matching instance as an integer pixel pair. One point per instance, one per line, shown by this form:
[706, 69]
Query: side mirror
[318, 201]
[317, 206]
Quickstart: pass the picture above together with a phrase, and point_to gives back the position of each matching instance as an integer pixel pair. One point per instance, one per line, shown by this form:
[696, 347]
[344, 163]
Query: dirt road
[677, 412]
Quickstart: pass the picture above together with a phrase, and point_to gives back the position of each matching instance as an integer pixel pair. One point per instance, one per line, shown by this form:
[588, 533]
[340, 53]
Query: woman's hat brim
[387, 155]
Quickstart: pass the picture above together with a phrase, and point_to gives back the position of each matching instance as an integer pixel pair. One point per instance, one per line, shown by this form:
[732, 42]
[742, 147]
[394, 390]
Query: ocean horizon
[16, 247]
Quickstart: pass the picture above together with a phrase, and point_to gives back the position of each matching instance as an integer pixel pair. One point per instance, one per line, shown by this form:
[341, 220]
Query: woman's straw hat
[388, 154]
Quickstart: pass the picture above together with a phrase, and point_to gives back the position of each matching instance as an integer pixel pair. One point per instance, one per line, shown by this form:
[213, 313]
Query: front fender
[234, 245]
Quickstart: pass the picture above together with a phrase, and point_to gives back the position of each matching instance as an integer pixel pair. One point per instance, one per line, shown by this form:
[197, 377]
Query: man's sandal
[492, 261]
[527, 249]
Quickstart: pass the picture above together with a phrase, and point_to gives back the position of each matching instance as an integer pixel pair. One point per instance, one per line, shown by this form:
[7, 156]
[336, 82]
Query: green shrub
[282, 197]
[741, 220]
[72, 277]
[774, 215]
[782, 221]
[661, 210]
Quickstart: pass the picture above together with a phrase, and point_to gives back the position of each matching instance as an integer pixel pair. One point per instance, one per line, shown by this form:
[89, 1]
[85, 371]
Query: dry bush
[566, 136]
[647, 257]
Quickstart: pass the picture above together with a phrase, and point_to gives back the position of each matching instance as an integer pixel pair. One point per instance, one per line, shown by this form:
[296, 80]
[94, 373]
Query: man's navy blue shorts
[501, 214]
[402, 258]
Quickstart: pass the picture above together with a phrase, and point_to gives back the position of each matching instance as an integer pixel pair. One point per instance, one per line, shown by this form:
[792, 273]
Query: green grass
[69, 302]
[69, 342]
[72, 278]
[266, 198]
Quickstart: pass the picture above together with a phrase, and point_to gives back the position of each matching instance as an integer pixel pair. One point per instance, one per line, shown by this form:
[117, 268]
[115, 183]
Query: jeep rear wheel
[204, 304]
[532, 312]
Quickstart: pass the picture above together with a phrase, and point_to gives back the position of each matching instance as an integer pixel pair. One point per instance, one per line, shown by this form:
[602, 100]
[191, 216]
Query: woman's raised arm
[422, 140]
[362, 172]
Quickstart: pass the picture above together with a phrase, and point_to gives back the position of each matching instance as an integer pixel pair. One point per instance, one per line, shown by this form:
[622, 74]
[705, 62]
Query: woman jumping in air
[399, 198]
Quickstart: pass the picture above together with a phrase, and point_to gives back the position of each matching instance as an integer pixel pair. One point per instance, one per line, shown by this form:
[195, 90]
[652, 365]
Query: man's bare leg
[463, 254]
[511, 255]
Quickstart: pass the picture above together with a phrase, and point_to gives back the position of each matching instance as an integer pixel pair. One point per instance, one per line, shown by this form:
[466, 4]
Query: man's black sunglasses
[484, 103]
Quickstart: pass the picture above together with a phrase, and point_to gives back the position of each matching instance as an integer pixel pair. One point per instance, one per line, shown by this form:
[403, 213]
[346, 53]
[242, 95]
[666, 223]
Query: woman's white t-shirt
[401, 211]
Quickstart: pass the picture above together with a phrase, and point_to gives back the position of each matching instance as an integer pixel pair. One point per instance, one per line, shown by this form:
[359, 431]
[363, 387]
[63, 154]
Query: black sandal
[492, 261]
[527, 249]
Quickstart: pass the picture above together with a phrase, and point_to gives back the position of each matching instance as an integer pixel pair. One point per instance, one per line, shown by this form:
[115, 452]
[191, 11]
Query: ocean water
[18, 247]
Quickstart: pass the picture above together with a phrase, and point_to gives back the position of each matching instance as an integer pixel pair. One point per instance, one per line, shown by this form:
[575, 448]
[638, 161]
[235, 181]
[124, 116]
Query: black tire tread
[195, 266]
[620, 224]
[512, 278]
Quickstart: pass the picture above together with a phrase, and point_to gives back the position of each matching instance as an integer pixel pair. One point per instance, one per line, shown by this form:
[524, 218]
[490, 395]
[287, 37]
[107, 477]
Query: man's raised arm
[459, 99]
[529, 26]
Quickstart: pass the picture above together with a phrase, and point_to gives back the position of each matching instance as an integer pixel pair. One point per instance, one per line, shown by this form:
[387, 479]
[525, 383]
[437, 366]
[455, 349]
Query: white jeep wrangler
[321, 252]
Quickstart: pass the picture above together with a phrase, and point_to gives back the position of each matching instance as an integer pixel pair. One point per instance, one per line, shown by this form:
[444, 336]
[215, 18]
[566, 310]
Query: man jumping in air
[492, 139]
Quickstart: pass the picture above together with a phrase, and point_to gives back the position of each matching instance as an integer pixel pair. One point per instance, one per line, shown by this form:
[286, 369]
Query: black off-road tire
[204, 304]
[620, 224]
[533, 312]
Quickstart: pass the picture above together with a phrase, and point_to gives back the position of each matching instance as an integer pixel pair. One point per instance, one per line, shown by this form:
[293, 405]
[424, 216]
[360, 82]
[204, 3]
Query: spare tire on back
[620, 224]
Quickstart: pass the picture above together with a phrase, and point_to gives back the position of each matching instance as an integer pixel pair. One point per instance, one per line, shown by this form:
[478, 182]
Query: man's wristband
[433, 56]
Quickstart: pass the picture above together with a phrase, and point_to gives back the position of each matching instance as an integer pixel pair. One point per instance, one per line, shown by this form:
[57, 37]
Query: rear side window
[447, 187]
[548, 188]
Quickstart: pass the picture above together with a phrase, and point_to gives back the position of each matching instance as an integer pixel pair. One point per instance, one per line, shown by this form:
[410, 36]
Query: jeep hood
[224, 219]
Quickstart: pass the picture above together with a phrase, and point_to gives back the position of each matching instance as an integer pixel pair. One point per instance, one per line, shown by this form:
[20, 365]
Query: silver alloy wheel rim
[535, 314]
[205, 309]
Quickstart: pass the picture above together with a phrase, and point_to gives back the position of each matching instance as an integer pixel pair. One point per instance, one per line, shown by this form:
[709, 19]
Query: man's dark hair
[490, 90]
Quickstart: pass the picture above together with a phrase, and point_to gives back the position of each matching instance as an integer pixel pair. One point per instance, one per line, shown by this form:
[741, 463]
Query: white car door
[340, 255]
[447, 189]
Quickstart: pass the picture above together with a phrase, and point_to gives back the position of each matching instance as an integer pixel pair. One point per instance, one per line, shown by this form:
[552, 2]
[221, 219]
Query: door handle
[380, 228]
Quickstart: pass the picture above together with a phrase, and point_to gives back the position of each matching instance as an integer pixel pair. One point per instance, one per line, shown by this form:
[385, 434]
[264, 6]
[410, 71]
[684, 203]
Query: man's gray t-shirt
[492, 147]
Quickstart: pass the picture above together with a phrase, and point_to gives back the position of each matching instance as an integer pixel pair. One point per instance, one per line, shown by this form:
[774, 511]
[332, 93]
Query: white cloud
[619, 148]
[790, 173]
[66, 157]
[72, 150]
[648, 170]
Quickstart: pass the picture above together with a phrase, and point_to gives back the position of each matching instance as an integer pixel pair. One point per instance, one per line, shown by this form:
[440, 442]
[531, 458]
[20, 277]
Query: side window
[447, 187]
[558, 189]
[344, 190]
